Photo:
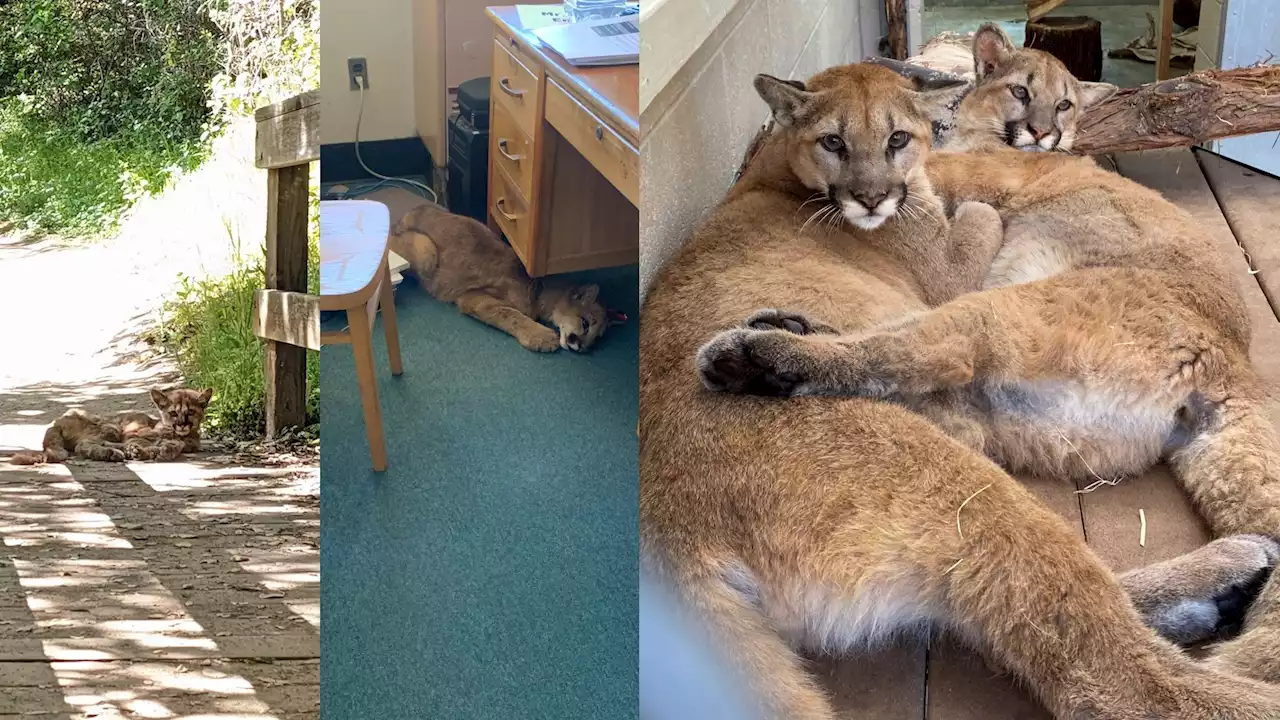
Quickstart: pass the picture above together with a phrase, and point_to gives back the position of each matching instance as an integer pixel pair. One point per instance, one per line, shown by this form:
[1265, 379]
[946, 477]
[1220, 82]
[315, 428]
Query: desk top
[612, 91]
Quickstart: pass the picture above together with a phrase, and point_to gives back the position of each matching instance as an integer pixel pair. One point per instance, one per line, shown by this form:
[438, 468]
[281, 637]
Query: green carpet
[491, 571]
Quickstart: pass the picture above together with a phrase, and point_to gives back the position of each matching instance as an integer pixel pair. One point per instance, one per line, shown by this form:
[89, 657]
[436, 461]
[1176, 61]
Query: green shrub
[55, 182]
[107, 68]
[104, 101]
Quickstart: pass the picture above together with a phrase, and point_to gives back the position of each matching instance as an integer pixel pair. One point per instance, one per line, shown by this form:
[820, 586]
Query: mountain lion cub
[461, 261]
[128, 435]
[830, 523]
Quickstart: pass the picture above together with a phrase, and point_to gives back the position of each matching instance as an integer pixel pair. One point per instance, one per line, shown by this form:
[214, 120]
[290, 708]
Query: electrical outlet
[358, 68]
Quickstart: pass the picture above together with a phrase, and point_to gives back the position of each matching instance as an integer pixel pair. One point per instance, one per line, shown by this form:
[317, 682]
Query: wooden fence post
[287, 142]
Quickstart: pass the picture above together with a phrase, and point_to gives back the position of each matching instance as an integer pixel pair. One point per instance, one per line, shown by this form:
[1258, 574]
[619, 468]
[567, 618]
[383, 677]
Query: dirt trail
[145, 590]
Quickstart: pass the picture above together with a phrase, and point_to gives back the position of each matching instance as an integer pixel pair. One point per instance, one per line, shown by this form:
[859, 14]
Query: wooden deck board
[1250, 200]
[189, 589]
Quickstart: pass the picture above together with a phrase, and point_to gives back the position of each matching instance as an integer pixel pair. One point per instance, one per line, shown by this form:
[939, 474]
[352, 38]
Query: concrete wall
[381, 32]
[698, 125]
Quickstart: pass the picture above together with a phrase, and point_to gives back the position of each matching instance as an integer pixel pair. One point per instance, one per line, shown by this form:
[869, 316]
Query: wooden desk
[564, 172]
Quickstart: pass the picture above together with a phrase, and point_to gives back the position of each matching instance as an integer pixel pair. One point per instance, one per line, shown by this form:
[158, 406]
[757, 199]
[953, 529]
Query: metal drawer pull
[505, 84]
[500, 207]
[502, 148]
[599, 132]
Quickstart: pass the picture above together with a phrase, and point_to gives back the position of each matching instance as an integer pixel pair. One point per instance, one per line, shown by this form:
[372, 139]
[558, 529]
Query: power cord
[386, 178]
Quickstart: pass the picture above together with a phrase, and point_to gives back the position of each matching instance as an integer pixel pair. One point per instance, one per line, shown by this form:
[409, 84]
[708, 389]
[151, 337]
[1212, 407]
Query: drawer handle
[599, 132]
[502, 148]
[500, 206]
[505, 84]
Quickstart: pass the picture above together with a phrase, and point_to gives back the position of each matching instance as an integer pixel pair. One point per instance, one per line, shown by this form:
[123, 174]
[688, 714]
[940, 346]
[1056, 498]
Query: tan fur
[831, 523]
[461, 261]
[128, 435]
[1045, 117]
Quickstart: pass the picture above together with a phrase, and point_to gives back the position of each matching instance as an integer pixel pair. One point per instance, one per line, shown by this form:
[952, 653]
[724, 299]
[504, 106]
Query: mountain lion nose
[1036, 132]
[870, 200]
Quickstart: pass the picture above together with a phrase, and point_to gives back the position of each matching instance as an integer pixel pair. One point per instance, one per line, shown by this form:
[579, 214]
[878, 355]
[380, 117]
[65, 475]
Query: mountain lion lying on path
[461, 261]
[832, 523]
[128, 435]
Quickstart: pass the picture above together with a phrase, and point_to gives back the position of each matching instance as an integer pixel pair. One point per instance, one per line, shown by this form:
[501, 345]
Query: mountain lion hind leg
[1256, 652]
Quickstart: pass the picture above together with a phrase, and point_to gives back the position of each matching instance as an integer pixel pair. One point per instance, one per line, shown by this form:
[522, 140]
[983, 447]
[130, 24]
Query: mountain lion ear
[586, 293]
[785, 97]
[991, 46]
[940, 103]
[159, 398]
[1092, 93]
[206, 395]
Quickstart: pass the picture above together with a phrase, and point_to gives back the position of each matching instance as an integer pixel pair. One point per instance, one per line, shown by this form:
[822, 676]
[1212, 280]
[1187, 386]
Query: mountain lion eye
[1064, 106]
[832, 143]
[1019, 92]
[899, 139]
[586, 324]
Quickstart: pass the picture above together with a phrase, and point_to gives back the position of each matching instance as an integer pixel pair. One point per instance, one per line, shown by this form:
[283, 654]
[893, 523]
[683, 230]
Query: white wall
[381, 31]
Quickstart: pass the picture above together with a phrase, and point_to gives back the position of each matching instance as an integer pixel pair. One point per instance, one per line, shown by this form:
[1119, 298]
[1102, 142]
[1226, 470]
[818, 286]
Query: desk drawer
[512, 150]
[515, 87]
[613, 156]
[511, 211]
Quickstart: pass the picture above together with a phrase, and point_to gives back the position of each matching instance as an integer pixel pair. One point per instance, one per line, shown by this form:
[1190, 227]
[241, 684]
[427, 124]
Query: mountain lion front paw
[1206, 593]
[752, 362]
[543, 340]
[792, 322]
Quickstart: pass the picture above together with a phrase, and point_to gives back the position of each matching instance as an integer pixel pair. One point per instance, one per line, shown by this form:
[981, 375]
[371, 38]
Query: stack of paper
[608, 41]
[398, 265]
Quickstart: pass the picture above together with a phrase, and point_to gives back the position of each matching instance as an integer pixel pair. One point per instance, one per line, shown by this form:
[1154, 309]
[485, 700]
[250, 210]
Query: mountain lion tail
[53, 450]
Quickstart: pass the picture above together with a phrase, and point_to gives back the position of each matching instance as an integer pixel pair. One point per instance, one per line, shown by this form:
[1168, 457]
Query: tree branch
[1207, 105]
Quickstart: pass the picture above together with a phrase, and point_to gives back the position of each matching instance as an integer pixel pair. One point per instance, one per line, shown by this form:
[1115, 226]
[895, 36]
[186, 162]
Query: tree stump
[1076, 41]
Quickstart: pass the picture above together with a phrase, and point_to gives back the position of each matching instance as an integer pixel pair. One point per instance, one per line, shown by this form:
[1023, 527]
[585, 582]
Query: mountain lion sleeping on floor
[829, 524]
[128, 435]
[461, 261]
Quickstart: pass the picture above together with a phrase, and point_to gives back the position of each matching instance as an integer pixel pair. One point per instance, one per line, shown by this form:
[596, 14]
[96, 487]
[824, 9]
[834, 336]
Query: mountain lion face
[858, 134]
[1029, 96]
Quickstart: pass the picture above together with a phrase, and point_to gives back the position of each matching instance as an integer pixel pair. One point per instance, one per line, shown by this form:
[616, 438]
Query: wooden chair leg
[388, 303]
[362, 346]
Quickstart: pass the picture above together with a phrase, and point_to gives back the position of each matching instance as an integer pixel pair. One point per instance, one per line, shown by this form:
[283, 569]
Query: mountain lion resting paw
[128, 435]
[461, 261]
[833, 523]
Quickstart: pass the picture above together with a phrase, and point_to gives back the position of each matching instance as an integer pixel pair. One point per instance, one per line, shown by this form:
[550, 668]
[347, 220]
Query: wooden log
[895, 14]
[1202, 106]
[1076, 41]
[285, 365]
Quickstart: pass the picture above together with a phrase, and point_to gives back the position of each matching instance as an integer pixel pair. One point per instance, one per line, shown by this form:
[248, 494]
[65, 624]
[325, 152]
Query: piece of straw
[1142, 531]
[966, 502]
